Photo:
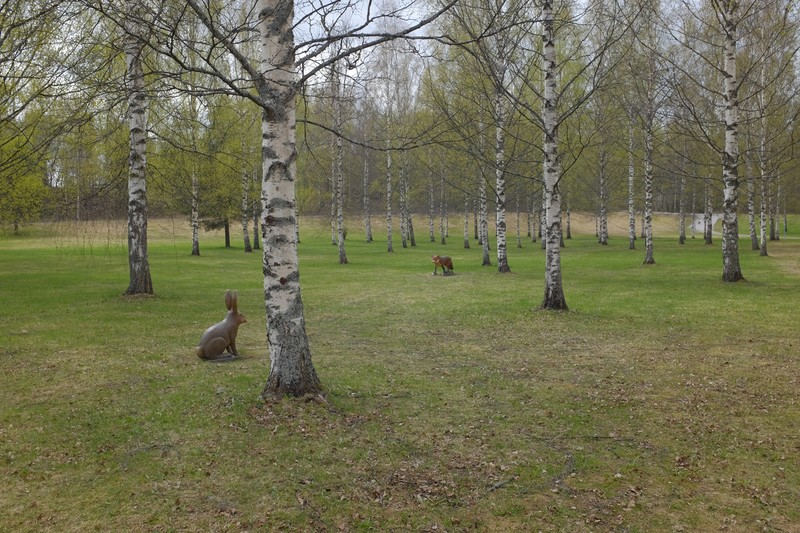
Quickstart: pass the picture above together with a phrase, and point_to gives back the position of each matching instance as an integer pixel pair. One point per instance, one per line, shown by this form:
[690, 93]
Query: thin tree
[133, 44]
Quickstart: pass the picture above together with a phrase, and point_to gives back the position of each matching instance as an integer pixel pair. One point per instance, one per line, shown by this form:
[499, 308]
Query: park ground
[664, 400]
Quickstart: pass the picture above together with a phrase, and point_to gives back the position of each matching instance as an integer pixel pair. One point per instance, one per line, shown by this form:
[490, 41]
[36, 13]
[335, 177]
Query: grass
[664, 400]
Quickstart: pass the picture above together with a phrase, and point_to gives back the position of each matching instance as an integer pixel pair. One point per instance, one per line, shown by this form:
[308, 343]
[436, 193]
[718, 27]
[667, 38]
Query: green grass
[663, 400]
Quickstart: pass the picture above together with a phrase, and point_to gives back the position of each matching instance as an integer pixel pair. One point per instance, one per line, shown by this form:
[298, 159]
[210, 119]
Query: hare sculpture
[221, 337]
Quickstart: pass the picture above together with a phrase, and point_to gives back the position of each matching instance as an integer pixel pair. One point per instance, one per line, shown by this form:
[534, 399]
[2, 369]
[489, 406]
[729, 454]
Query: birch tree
[558, 103]
[502, 43]
[631, 189]
[133, 44]
[648, 96]
[728, 13]
[338, 176]
[553, 288]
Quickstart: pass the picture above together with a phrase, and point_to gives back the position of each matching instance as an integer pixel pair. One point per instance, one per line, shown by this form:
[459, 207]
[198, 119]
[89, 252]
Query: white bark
[245, 215]
[776, 208]
[501, 69]
[367, 216]
[543, 217]
[389, 247]
[401, 183]
[291, 369]
[682, 208]
[631, 192]
[519, 232]
[466, 220]
[195, 216]
[483, 223]
[731, 271]
[648, 193]
[442, 215]
[431, 206]
[333, 184]
[138, 261]
[751, 205]
[338, 175]
[762, 162]
[708, 226]
[602, 223]
[553, 290]
[500, 185]
[409, 221]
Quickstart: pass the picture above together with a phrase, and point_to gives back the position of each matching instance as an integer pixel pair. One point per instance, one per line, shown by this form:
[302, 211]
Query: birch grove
[514, 85]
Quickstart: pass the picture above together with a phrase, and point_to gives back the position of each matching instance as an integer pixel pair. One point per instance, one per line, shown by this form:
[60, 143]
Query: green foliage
[21, 198]
[665, 399]
[22, 189]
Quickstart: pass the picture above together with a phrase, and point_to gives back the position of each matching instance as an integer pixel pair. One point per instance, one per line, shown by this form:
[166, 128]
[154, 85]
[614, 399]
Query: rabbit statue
[221, 337]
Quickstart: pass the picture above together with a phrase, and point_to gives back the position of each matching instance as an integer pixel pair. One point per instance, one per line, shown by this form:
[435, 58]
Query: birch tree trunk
[245, 215]
[337, 120]
[466, 220]
[543, 217]
[519, 231]
[644, 232]
[334, 182]
[762, 246]
[401, 184]
[409, 214]
[194, 220]
[367, 216]
[529, 214]
[648, 193]
[708, 224]
[431, 206]
[256, 233]
[442, 214]
[631, 195]
[389, 247]
[785, 219]
[731, 271]
[771, 209]
[291, 370]
[553, 290]
[602, 223]
[138, 260]
[195, 216]
[762, 155]
[751, 206]
[776, 207]
[500, 184]
[682, 208]
[484, 224]
[475, 207]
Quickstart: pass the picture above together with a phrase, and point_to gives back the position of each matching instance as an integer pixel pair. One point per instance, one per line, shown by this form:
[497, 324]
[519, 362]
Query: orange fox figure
[442, 261]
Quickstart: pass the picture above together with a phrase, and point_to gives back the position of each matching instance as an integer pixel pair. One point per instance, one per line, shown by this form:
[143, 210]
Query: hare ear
[228, 299]
[235, 301]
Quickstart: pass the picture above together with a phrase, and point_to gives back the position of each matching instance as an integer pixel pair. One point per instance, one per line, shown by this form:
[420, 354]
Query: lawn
[664, 400]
